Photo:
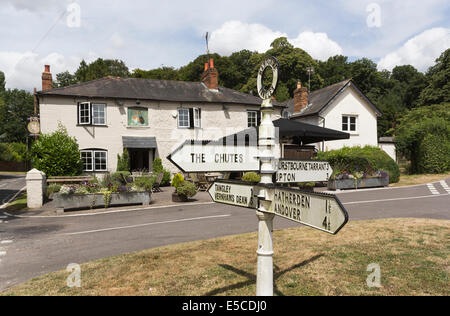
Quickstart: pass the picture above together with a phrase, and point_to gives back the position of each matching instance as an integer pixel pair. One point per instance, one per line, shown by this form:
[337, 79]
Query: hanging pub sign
[34, 126]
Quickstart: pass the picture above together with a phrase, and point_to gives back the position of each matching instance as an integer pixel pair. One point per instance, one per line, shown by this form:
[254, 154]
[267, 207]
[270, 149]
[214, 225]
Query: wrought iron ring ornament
[264, 93]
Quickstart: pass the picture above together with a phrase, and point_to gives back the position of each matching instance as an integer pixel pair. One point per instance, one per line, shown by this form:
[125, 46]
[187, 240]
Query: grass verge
[406, 180]
[412, 254]
[19, 204]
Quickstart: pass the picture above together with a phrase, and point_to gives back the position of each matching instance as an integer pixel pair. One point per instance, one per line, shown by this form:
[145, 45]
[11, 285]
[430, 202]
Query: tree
[16, 106]
[334, 70]
[438, 77]
[424, 134]
[163, 73]
[57, 154]
[64, 79]
[2, 82]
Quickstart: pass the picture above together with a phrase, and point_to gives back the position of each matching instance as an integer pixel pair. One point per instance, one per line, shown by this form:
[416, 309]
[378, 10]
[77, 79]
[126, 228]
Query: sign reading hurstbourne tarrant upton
[215, 157]
[295, 171]
[234, 193]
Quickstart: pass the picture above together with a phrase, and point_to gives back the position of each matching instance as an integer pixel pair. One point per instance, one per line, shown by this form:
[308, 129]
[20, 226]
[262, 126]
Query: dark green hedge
[356, 159]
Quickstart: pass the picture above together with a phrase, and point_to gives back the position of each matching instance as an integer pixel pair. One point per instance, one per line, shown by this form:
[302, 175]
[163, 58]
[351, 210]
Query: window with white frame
[99, 114]
[94, 160]
[252, 118]
[349, 123]
[84, 113]
[197, 118]
[183, 118]
[91, 113]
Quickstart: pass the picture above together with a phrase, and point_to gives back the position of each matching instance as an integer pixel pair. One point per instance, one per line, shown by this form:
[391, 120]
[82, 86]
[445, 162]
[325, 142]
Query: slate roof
[321, 99]
[139, 142]
[154, 90]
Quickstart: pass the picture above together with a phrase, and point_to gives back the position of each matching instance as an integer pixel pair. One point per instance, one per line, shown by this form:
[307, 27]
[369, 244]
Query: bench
[78, 179]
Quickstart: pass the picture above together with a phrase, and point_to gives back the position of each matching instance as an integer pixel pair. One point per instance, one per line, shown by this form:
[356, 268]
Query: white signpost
[213, 157]
[295, 171]
[317, 210]
[234, 193]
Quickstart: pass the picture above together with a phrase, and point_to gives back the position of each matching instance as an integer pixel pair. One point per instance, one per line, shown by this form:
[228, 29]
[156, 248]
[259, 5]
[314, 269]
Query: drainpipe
[323, 142]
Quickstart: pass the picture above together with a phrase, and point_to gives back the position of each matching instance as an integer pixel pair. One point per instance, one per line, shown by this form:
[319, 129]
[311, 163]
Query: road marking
[2, 253]
[6, 242]
[114, 212]
[433, 190]
[398, 199]
[445, 186]
[144, 225]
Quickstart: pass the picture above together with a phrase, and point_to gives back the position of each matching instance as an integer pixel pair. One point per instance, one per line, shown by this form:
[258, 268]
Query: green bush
[433, 154]
[186, 189]
[53, 188]
[13, 152]
[123, 162]
[158, 168]
[359, 160]
[177, 180]
[57, 154]
[251, 177]
[145, 183]
[120, 177]
[5, 153]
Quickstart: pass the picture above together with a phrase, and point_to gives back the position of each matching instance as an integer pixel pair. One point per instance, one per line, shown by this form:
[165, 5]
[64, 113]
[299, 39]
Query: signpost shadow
[251, 278]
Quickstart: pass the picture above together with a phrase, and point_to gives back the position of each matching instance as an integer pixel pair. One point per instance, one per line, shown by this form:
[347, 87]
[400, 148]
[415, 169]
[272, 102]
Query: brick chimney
[47, 80]
[210, 76]
[300, 98]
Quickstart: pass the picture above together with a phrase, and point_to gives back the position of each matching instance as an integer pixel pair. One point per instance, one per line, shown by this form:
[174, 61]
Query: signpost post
[317, 210]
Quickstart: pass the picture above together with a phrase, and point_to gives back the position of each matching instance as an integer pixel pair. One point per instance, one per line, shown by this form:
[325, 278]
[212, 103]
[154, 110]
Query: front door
[140, 159]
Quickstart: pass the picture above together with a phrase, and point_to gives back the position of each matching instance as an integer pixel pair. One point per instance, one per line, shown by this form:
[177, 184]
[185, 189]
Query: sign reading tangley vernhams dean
[235, 193]
[197, 156]
[317, 210]
[295, 171]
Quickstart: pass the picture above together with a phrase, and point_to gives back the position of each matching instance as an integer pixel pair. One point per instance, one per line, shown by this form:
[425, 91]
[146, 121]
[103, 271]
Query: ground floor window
[94, 160]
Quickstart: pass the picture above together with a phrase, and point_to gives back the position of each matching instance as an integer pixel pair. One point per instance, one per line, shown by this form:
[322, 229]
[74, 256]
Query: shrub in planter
[52, 189]
[120, 177]
[158, 168]
[177, 180]
[251, 177]
[145, 183]
[186, 190]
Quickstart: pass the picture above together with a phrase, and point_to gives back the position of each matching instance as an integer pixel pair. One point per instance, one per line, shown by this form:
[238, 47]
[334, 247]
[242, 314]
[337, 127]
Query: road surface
[30, 247]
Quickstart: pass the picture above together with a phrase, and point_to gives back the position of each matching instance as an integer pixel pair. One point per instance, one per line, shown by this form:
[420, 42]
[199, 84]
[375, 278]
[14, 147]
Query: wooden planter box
[358, 184]
[89, 201]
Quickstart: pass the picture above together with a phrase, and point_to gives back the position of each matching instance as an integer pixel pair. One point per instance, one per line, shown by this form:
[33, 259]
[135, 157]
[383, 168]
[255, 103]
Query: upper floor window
[349, 123]
[137, 117]
[253, 118]
[190, 118]
[91, 113]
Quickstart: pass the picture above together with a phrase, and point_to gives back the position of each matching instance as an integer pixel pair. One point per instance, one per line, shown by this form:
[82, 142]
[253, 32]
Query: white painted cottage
[341, 107]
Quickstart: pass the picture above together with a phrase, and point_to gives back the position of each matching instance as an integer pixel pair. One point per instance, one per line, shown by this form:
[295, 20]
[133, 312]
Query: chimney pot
[47, 80]
[210, 76]
[301, 98]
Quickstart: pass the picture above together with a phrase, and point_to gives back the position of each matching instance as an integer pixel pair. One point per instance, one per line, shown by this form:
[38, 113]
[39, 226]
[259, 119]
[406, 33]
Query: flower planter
[90, 201]
[179, 198]
[358, 184]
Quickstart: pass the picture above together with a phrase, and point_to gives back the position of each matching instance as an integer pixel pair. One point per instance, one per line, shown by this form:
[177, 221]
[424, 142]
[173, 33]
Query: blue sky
[148, 34]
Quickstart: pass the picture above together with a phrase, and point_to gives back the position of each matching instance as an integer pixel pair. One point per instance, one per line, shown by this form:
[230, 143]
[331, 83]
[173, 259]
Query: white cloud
[23, 70]
[35, 5]
[234, 36]
[421, 51]
[318, 45]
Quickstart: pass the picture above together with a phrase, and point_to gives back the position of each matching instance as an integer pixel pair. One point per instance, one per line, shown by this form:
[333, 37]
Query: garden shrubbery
[366, 161]
[158, 168]
[251, 177]
[57, 154]
[13, 152]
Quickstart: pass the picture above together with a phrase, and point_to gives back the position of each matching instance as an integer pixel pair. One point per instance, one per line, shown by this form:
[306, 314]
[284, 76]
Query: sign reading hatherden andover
[321, 211]
[199, 157]
[234, 193]
[295, 171]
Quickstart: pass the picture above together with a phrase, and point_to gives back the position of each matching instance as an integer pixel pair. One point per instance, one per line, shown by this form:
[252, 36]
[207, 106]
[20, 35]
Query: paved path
[30, 247]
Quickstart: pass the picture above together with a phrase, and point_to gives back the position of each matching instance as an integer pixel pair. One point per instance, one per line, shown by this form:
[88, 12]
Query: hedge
[356, 159]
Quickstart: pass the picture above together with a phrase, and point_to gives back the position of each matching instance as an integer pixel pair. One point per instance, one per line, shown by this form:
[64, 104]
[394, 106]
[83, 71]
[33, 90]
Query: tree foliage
[57, 154]
[438, 77]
